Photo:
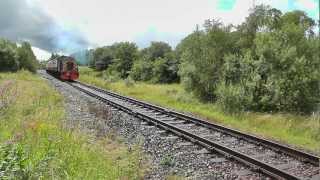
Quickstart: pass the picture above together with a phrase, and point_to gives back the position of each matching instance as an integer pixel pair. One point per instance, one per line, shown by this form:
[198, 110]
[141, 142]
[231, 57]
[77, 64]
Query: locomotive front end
[69, 70]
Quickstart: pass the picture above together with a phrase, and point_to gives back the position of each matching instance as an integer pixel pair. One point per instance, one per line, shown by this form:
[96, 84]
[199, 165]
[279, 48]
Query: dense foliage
[14, 57]
[268, 63]
[156, 63]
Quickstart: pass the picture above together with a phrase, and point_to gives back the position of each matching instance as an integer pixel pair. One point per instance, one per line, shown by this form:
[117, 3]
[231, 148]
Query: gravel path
[168, 155]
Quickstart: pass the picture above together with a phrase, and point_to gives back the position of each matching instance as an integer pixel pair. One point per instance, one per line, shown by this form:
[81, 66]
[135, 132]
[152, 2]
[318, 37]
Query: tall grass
[301, 131]
[34, 144]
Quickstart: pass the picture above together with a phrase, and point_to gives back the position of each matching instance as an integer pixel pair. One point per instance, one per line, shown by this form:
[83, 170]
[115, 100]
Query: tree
[165, 70]
[202, 59]
[156, 50]
[261, 19]
[54, 55]
[141, 70]
[26, 58]
[125, 53]
[8, 56]
[157, 63]
[104, 54]
[300, 19]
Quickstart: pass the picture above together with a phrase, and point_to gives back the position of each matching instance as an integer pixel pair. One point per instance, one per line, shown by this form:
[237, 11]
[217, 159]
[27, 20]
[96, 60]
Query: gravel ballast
[168, 155]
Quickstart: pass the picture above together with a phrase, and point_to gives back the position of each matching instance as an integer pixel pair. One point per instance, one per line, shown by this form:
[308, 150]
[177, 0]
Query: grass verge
[34, 144]
[301, 131]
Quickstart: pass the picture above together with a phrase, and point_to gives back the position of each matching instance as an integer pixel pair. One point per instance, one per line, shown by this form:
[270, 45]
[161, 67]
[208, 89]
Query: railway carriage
[63, 67]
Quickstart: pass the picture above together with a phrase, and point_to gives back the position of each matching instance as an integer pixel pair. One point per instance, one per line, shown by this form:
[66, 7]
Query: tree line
[269, 63]
[14, 57]
[156, 63]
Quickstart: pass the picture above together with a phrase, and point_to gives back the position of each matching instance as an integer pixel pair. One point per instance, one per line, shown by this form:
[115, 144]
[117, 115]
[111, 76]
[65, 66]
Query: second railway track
[273, 159]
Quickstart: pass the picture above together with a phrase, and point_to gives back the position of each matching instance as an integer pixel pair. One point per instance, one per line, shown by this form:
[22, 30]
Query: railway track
[270, 158]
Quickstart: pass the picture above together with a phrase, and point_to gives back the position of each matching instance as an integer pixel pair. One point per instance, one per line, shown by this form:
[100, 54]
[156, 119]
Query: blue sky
[309, 6]
[226, 5]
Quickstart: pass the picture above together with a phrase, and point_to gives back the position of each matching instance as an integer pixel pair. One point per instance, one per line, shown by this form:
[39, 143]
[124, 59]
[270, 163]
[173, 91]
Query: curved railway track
[268, 157]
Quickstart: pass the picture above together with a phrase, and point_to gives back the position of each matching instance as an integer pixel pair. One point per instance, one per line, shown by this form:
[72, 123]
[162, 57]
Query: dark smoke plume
[19, 21]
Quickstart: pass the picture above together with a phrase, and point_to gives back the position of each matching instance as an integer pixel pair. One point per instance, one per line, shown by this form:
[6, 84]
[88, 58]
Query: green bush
[157, 63]
[202, 59]
[111, 75]
[232, 98]
[141, 70]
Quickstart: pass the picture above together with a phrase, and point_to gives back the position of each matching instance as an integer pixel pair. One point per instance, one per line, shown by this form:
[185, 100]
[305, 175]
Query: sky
[70, 25]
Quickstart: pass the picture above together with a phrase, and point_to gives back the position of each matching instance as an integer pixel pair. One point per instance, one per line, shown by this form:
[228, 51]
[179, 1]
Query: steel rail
[211, 145]
[298, 154]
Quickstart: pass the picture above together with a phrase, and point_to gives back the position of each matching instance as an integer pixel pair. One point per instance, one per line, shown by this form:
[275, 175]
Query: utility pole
[253, 4]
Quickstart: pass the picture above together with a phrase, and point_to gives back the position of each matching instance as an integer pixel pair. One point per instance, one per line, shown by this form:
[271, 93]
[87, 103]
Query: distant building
[101, 65]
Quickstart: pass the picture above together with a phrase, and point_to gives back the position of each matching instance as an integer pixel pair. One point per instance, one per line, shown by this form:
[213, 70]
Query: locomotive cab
[69, 70]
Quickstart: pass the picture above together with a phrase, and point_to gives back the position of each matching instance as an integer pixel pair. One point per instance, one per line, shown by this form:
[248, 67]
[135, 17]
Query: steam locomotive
[63, 67]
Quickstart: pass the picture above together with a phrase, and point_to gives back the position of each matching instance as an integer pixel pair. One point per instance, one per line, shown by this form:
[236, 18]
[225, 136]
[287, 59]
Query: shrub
[141, 70]
[111, 75]
[232, 98]
[165, 70]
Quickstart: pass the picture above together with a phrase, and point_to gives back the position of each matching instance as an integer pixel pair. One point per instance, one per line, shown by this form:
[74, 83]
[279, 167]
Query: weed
[8, 93]
[174, 177]
[12, 161]
[167, 160]
[129, 82]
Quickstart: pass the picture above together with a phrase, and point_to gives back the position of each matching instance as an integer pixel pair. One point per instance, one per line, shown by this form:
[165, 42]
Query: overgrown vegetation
[35, 145]
[14, 57]
[156, 63]
[297, 130]
[269, 63]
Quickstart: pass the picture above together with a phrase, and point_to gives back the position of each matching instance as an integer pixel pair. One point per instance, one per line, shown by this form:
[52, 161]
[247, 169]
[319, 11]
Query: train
[63, 67]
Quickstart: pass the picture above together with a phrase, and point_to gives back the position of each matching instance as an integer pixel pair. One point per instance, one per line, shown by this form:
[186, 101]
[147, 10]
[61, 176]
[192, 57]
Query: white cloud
[108, 21]
[41, 54]
[279, 4]
[237, 15]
